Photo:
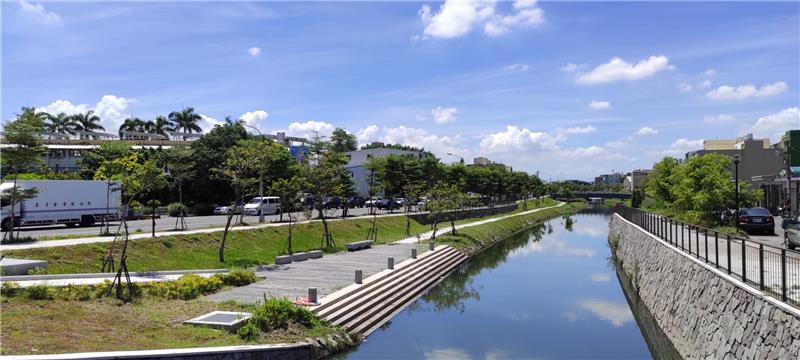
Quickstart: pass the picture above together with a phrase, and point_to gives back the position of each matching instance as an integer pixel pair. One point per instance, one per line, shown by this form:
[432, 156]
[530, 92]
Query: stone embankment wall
[704, 312]
[425, 218]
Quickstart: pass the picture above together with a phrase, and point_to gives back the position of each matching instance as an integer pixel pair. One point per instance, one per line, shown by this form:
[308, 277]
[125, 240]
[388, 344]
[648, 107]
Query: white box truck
[69, 202]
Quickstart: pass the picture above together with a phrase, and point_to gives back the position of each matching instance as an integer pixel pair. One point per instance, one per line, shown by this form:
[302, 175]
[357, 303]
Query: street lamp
[459, 157]
[260, 180]
[736, 184]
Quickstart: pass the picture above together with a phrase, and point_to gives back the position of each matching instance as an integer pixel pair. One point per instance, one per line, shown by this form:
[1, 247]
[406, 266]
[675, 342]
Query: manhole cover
[220, 319]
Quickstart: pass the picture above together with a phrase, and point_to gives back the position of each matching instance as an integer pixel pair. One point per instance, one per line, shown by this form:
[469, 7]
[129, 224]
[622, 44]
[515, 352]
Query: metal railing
[771, 269]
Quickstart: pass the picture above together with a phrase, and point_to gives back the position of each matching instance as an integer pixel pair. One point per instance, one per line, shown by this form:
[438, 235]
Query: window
[72, 203]
[37, 204]
[89, 203]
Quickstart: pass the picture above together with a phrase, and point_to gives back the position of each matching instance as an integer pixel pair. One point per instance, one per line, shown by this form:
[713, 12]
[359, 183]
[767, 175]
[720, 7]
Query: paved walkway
[336, 271]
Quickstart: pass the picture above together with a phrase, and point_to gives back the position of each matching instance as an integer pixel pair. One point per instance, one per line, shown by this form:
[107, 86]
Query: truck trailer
[68, 202]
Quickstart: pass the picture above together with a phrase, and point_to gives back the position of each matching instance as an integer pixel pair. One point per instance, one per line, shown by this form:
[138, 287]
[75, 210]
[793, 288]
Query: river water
[551, 291]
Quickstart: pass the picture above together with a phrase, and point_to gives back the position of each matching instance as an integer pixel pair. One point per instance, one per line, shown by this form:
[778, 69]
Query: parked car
[266, 205]
[756, 219]
[229, 209]
[308, 202]
[387, 204]
[334, 202]
[356, 202]
[791, 232]
[372, 202]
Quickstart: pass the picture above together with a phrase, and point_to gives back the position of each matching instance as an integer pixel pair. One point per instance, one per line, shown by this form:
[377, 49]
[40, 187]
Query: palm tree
[159, 126]
[185, 120]
[88, 121]
[132, 124]
[60, 124]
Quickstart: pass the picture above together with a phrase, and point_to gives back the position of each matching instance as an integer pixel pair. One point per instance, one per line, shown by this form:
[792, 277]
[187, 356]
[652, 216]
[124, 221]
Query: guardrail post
[359, 276]
[761, 266]
[413, 253]
[705, 237]
[697, 241]
[670, 231]
[390, 264]
[689, 243]
[729, 253]
[744, 263]
[783, 275]
[682, 226]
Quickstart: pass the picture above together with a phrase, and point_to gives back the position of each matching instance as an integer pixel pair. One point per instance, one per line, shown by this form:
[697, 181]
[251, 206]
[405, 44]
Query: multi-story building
[359, 158]
[756, 156]
[635, 179]
[483, 161]
[609, 179]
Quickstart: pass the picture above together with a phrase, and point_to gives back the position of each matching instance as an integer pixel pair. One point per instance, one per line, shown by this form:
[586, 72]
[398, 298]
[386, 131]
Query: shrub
[102, 288]
[74, 292]
[278, 313]
[40, 292]
[203, 209]
[248, 332]
[187, 287]
[9, 288]
[175, 209]
[239, 277]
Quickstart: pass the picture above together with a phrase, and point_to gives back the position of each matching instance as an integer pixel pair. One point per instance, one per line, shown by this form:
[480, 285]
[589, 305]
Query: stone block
[283, 259]
[315, 254]
[301, 256]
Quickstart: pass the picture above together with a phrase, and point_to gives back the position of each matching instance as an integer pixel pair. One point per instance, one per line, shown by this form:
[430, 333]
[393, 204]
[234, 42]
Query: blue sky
[565, 88]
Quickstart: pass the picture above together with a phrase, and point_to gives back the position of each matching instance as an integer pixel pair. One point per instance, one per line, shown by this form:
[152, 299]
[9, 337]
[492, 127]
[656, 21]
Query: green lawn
[473, 239]
[243, 248]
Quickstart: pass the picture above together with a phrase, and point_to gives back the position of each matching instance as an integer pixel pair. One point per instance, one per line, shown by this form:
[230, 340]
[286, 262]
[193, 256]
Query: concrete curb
[105, 275]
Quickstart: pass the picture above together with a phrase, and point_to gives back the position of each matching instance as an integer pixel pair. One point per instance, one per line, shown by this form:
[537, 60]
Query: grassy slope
[243, 248]
[475, 238]
[49, 326]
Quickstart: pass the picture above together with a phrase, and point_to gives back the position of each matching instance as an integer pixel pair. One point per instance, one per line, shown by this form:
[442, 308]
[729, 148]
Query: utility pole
[736, 184]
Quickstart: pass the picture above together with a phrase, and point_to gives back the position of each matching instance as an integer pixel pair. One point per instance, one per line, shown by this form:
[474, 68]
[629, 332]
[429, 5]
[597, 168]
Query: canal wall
[704, 312]
[427, 218]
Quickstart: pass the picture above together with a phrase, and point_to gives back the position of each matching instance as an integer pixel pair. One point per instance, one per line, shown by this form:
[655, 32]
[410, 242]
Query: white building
[358, 158]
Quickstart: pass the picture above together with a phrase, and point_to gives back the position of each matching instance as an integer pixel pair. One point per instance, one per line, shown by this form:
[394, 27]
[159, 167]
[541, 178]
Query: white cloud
[437, 144]
[456, 18]
[207, 122]
[740, 92]
[254, 51]
[528, 14]
[447, 354]
[598, 105]
[518, 67]
[773, 126]
[111, 109]
[443, 116]
[601, 277]
[685, 87]
[682, 146]
[255, 118]
[719, 119]
[367, 134]
[710, 72]
[519, 139]
[580, 130]
[705, 84]
[615, 313]
[37, 12]
[568, 68]
[646, 131]
[308, 128]
[618, 143]
[618, 69]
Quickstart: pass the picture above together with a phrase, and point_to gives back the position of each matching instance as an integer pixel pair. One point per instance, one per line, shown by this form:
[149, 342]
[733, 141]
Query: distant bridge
[597, 194]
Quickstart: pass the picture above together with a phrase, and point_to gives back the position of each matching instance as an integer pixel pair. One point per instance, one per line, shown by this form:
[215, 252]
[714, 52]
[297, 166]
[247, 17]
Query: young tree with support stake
[25, 155]
[288, 190]
[324, 172]
[180, 170]
[238, 170]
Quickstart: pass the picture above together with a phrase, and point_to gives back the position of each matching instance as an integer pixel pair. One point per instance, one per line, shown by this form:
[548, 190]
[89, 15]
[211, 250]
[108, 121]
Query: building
[359, 158]
[609, 179]
[64, 151]
[635, 179]
[783, 184]
[483, 161]
[756, 156]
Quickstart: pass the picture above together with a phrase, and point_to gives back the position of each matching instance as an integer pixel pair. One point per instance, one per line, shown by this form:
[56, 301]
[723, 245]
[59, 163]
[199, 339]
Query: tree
[445, 200]
[662, 180]
[60, 123]
[288, 190]
[180, 169]
[324, 171]
[92, 159]
[160, 125]
[24, 133]
[88, 121]
[210, 152]
[132, 124]
[343, 142]
[186, 120]
[702, 186]
[237, 170]
[273, 161]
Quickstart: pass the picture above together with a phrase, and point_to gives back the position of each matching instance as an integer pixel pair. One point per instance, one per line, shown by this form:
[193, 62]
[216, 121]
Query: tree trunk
[453, 225]
[153, 218]
[435, 228]
[13, 204]
[289, 237]
[225, 237]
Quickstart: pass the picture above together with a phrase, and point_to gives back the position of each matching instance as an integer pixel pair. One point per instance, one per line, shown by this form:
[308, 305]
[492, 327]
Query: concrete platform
[11, 266]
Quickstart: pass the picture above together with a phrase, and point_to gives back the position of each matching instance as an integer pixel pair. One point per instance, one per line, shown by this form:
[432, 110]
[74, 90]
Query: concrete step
[352, 317]
[367, 287]
[395, 304]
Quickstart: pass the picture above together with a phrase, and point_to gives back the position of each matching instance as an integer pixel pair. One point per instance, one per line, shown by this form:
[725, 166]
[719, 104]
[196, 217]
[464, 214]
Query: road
[163, 224]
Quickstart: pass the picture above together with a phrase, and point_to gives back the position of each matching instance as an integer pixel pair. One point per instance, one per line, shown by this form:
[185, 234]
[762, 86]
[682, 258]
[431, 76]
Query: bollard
[431, 245]
[413, 253]
[312, 295]
[391, 263]
[359, 276]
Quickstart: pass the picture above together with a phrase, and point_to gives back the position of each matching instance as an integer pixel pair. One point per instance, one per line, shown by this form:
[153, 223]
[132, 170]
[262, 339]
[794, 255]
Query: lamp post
[460, 158]
[260, 180]
[736, 184]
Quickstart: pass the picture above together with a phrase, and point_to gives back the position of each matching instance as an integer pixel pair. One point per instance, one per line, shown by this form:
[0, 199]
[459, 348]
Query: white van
[266, 205]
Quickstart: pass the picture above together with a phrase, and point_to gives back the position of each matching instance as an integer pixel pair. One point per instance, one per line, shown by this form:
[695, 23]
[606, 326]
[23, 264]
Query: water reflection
[529, 296]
